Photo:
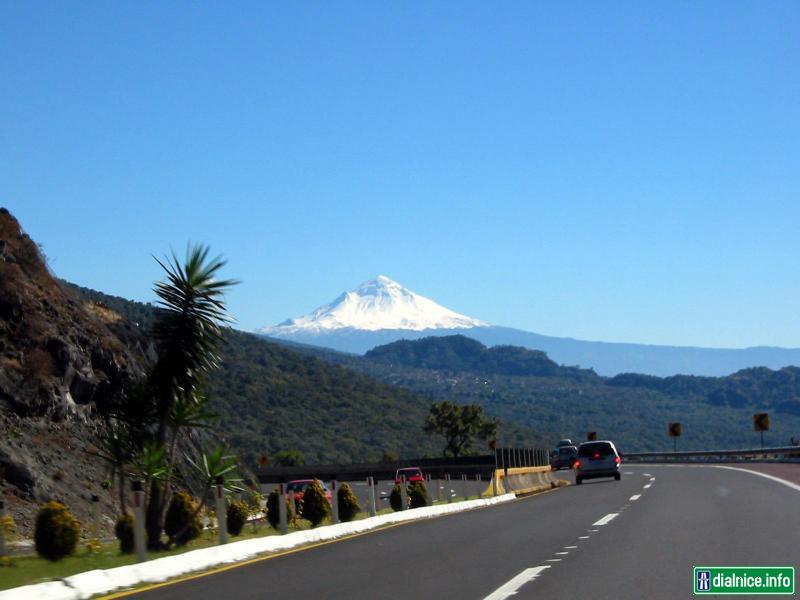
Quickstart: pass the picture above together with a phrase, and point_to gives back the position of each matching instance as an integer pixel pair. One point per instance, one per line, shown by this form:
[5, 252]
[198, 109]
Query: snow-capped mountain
[375, 305]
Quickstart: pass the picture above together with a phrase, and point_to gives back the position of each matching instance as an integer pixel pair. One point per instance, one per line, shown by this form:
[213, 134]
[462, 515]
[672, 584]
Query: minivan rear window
[601, 448]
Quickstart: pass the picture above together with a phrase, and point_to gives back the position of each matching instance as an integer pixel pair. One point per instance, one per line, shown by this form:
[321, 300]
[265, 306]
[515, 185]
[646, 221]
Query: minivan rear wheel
[578, 481]
[617, 476]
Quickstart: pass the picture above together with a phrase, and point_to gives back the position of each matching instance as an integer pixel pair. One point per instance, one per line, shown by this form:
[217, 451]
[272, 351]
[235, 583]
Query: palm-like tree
[188, 335]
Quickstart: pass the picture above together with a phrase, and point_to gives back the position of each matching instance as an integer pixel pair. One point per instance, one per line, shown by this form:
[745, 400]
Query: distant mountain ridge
[382, 311]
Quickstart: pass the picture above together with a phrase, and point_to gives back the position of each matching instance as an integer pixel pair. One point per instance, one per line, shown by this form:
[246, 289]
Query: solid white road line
[635, 497]
[510, 588]
[605, 520]
[788, 484]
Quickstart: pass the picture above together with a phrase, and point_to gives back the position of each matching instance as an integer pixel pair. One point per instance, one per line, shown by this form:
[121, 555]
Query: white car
[597, 459]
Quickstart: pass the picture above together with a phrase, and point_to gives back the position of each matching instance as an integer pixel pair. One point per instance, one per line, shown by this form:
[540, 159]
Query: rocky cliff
[63, 361]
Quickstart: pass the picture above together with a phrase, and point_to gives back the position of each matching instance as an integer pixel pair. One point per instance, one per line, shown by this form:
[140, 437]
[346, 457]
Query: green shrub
[395, 499]
[57, 531]
[315, 504]
[182, 523]
[348, 503]
[237, 517]
[273, 516]
[418, 495]
[124, 532]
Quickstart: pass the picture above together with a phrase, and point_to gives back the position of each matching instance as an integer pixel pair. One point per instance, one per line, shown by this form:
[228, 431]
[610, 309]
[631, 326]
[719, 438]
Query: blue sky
[622, 172]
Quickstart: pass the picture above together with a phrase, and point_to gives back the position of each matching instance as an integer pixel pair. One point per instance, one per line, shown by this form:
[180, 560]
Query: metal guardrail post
[2, 532]
[282, 517]
[447, 490]
[139, 538]
[334, 502]
[371, 485]
[221, 510]
[403, 493]
[464, 486]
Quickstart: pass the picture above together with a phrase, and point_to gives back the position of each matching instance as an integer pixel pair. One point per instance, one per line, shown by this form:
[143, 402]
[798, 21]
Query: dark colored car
[597, 459]
[564, 457]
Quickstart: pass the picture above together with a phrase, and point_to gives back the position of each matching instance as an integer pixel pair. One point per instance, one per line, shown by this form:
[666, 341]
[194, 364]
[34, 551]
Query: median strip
[90, 583]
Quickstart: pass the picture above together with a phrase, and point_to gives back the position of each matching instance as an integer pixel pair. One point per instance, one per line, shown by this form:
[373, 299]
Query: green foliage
[348, 503]
[315, 504]
[418, 495]
[273, 516]
[389, 457]
[396, 498]
[459, 424]
[289, 458]
[237, 517]
[182, 523]
[124, 532]
[57, 531]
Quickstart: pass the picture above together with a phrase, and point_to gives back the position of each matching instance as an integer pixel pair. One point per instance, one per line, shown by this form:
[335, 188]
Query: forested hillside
[271, 398]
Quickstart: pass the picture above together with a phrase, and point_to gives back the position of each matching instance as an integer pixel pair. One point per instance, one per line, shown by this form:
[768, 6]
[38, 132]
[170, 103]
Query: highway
[633, 539]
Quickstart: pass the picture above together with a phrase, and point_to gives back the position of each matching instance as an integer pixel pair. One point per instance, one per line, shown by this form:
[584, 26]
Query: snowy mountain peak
[379, 303]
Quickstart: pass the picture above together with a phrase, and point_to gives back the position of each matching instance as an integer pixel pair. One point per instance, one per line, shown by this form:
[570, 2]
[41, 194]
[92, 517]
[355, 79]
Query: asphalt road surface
[633, 539]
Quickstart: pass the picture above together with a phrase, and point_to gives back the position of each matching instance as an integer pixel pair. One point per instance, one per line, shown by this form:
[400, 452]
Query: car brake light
[597, 455]
[577, 464]
[616, 459]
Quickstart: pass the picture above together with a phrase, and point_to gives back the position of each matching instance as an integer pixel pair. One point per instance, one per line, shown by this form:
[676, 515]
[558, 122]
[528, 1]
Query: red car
[299, 486]
[411, 474]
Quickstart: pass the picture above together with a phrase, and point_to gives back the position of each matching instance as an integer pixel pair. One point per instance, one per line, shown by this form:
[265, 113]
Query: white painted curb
[90, 583]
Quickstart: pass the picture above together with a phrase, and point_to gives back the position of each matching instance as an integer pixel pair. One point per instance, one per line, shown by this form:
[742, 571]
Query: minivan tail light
[617, 459]
[577, 464]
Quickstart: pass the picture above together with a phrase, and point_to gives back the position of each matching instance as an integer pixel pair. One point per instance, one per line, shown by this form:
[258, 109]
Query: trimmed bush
[57, 531]
[348, 503]
[237, 517]
[315, 504]
[124, 532]
[182, 523]
[418, 495]
[273, 516]
[395, 499]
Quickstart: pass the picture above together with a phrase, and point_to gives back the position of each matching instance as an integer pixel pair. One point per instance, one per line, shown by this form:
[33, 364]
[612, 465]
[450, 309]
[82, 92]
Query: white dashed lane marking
[635, 497]
[647, 486]
[510, 588]
[605, 520]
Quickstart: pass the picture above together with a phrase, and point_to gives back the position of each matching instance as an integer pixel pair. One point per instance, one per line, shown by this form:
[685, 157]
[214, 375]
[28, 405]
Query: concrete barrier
[522, 481]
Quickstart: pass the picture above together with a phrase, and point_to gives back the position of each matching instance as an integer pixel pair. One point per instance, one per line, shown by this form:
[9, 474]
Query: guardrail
[782, 453]
[483, 465]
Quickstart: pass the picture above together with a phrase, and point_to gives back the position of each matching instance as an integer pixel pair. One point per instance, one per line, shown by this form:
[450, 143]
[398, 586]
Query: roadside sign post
[282, 508]
[403, 493]
[371, 486]
[139, 540]
[761, 424]
[674, 431]
[222, 513]
[334, 502]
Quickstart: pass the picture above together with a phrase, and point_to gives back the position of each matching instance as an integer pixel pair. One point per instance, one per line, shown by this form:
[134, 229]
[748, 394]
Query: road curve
[637, 538]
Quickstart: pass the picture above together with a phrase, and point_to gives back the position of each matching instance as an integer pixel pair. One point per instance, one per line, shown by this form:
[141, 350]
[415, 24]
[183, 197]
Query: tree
[289, 458]
[188, 334]
[459, 424]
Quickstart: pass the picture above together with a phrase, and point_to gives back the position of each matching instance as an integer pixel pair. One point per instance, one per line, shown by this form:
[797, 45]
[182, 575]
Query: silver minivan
[597, 459]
